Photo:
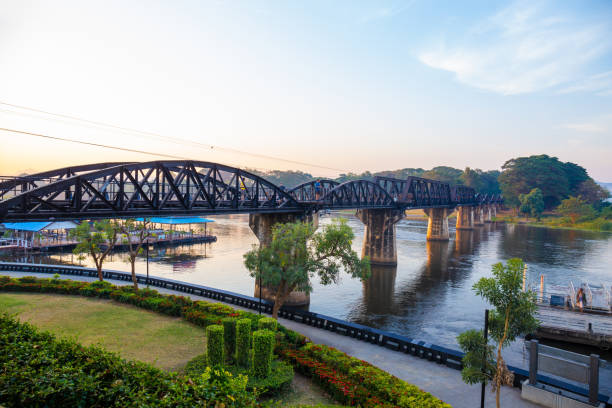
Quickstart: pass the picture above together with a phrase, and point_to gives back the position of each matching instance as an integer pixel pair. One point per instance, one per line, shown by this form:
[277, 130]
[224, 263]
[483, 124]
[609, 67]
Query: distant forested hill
[481, 181]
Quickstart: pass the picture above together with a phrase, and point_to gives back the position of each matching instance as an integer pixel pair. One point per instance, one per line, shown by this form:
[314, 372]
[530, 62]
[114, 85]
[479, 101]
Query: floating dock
[574, 327]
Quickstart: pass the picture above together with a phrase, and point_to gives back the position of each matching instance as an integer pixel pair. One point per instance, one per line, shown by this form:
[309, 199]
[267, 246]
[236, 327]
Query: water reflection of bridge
[448, 264]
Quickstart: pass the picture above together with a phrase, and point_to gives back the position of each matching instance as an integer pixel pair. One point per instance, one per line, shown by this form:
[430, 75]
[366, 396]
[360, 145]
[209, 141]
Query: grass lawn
[136, 334]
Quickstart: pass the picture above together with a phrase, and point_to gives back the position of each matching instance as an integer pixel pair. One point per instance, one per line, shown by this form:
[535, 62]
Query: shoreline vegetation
[552, 221]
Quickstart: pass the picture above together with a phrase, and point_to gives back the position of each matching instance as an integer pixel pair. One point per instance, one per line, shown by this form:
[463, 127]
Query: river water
[428, 296]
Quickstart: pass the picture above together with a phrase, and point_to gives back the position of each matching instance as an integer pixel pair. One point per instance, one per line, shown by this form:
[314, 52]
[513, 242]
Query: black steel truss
[107, 190]
[306, 191]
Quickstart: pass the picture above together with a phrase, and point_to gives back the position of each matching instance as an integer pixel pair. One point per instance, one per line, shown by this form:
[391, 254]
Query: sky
[317, 86]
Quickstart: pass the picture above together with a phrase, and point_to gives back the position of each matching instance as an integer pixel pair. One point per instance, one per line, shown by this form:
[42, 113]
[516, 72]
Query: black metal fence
[433, 352]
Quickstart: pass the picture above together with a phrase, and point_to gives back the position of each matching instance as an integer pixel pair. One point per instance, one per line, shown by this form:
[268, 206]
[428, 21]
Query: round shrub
[263, 345]
[229, 335]
[214, 345]
[243, 342]
[267, 323]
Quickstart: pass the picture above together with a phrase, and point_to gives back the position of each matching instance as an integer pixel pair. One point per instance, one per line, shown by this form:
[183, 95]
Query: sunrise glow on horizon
[318, 87]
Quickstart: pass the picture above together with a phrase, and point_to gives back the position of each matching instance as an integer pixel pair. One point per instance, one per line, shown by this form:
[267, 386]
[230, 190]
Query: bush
[38, 370]
[229, 335]
[243, 342]
[214, 345]
[280, 377]
[267, 323]
[28, 279]
[263, 346]
[356, 382]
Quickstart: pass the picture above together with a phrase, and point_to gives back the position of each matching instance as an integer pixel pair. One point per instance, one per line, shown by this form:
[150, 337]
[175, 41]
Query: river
[428, 296]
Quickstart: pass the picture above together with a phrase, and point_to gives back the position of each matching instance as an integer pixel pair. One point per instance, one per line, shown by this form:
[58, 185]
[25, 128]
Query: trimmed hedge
[327, 366]
[229, 335]
[267, 323]
[40, 370]
[215, 346]
[243, 342]
[263, 346]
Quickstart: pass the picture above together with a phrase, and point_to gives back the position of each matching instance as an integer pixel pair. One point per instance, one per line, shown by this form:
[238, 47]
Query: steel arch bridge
[117, 190]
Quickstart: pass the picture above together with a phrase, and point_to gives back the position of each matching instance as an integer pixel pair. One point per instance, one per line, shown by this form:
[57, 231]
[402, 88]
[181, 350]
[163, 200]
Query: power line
[166, 138]
[63, 139]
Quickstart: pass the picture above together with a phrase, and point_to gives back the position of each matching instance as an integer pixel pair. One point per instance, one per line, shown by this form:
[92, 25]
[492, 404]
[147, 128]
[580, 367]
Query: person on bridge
[317, 188]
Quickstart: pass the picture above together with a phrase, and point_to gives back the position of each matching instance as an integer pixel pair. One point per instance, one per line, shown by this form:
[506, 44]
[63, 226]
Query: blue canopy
[26, 226]
[39, 225]
[177, 220]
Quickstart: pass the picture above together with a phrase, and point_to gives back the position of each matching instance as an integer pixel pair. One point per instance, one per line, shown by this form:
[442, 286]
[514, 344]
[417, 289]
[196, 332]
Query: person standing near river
[580, 299]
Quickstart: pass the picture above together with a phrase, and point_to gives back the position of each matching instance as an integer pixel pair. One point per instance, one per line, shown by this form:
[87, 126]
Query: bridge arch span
[358, 194]
[149, 188]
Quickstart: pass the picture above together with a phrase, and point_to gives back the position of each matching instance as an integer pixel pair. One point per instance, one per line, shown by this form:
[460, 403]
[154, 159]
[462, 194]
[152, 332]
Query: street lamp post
[147, 263]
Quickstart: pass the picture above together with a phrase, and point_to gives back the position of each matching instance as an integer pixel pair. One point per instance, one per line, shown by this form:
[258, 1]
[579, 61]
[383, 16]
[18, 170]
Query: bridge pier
[486, 213]
[379, 235]
[261, 225]
[437, 227]
[478, 216]
[465, 218]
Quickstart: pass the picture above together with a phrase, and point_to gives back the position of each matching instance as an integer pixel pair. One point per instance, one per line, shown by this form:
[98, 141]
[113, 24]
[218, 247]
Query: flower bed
[350, 380]
[356, 382]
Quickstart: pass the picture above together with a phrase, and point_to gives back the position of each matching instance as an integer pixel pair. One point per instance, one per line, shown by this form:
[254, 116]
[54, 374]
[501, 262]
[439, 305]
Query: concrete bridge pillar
[437, 228]
[486, 213]
[493, 210]
[261, 225]
[478, 215]
[465, 218]
[379, 235]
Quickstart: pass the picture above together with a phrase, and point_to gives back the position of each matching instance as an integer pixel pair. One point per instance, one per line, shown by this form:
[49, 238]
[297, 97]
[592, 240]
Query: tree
[444, 174]
[297, 254]
[575, 207]
[592, 192]
[484, 182]
[532, 203]
[97, 241]
[513, 316]
[523, 174]
[141, 231]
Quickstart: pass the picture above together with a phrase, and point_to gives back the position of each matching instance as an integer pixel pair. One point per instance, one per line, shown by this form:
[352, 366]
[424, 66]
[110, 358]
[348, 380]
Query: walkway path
[441, 381]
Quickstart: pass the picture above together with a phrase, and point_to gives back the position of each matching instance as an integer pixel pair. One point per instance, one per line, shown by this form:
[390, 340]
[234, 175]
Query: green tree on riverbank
[296, 254]
[532, 203]
[98, 241]
[575, 208]
[556, 180]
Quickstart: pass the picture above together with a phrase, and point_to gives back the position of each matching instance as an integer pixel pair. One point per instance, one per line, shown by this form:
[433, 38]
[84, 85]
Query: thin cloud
[585, 127]
[384, 12]
[601, 84]
[522, 49]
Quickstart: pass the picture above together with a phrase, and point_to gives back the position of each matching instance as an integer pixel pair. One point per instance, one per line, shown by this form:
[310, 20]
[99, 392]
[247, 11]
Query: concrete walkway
[441, 381]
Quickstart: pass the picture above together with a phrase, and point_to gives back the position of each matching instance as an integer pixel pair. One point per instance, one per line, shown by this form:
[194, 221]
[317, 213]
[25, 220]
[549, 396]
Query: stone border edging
[435, 353]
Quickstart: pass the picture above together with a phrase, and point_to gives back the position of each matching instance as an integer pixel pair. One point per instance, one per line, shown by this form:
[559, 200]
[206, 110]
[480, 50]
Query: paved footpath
[439, 380]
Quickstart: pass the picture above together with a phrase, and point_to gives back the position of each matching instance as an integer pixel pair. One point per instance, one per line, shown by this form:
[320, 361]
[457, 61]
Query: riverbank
[597, 225]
